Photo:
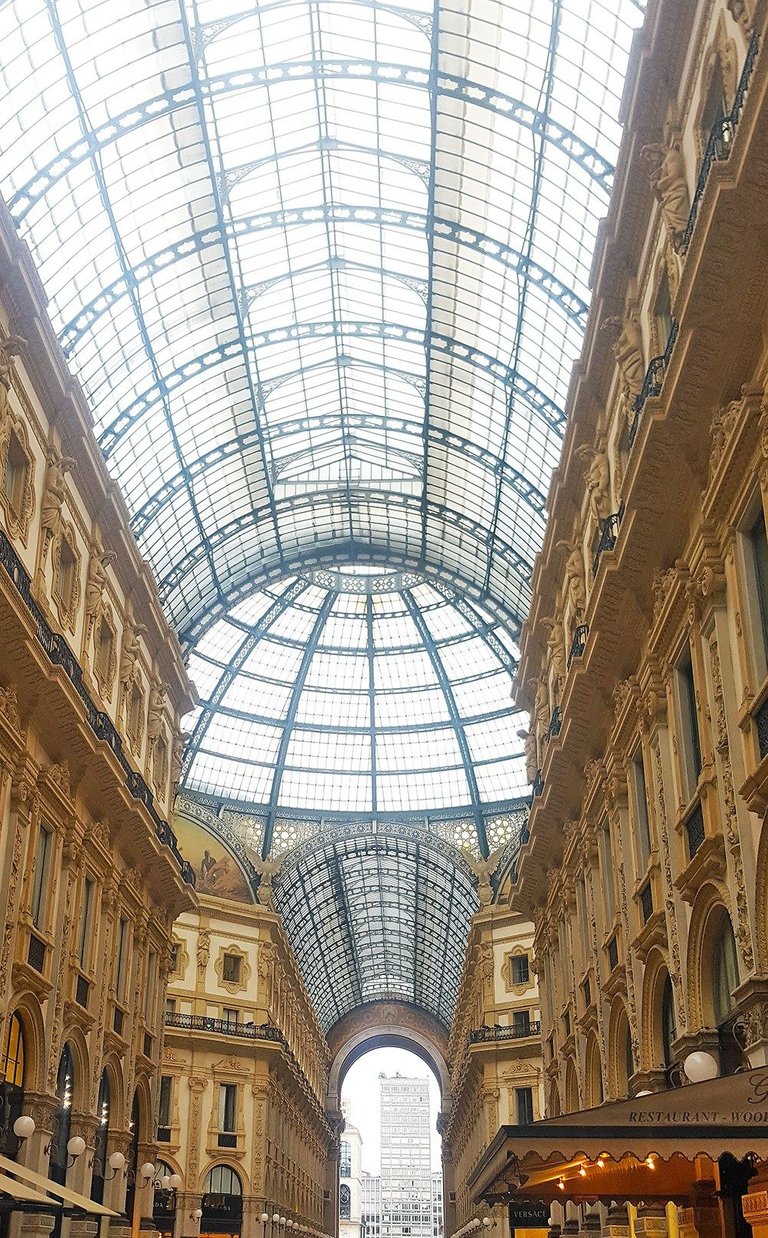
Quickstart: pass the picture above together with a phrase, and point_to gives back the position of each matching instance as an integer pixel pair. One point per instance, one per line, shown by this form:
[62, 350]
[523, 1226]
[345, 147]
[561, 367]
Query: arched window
[163, 1200]
[625, 1066]
[668, 1022]
[222, 1202]
[100, 1144]
[65, 1082]
[222, 1180]
[725, 971]
[133, 1156]
[594, 1074]
[345, 1162]
[12, 1082]
[345, 1202]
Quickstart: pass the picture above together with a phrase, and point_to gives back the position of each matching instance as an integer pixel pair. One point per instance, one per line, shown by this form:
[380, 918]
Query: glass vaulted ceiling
[321, 267]
[360, 693]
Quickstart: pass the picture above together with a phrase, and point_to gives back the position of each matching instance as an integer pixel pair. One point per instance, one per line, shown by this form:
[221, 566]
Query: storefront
[703, 1148]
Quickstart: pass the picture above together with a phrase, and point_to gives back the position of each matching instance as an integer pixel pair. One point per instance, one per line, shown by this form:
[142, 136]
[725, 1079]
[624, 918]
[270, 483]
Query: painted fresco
[216, 870]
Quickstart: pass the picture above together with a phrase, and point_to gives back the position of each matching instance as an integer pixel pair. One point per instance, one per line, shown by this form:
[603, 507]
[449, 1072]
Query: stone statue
[267, 870]
[667, 173]
[531, 753]
[575, 578]
[598, 479]
[484, 870]
[156, 710]
[628, 351]
[130, 649]
[742, 13]
[95, 585]
[541, 713]
[9, 348]
[556, 647]
[177, 754]
[54, 493]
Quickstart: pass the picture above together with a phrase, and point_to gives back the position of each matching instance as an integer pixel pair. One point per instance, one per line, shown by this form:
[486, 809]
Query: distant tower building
[406, 1170]
[350, 1181]
[406, 1199]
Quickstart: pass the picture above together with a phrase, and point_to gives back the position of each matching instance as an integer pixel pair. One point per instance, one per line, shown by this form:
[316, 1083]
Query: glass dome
[354, 691]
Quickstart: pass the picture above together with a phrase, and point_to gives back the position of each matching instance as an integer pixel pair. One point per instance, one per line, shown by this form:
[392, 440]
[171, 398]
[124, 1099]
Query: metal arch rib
[452, 86]
[524, 489]
[227, 678]
[117, 240]
[540, 404]
[385, 498]
[461, 235]
[344, 552]
[458, 726]
[290, 718]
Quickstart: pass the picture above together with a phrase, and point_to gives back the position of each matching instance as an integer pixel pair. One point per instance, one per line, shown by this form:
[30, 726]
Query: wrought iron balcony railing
[555, 722]
[60, 654]
[579, 642]
[608, 536]
[225, 1027]
[653, 381]
[720, 141]
[512, 1031]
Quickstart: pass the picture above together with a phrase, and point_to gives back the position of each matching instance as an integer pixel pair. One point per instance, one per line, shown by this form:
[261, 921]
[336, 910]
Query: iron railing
[608, 536]
[500, 1031]
[60, 654]
[224, 1027]
[579, 643]
[555, 722]
[720, 141]
[761, 726]
[538, 785]
[653, 381]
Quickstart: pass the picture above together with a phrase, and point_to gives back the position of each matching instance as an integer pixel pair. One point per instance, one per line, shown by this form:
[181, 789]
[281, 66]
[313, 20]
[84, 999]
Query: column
[79, 1174]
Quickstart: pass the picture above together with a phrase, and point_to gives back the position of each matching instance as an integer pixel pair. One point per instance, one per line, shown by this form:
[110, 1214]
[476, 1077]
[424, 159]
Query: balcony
[579, 643]
[653, 381]
[608, 536]
[481, 1035]
[224, 1027]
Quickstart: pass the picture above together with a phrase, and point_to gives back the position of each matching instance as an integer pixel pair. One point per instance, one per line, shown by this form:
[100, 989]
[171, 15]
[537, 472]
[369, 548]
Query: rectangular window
[640, 804]
[519, 969]
[606, 871]
[521, 1021]
[524, 1106]
[122, 934]
[170, 1006]
[581, 914]
[16, 470]
[85, 923]
[227, 1107]
[149, 996]
[164, 1108]
[231, 1016]
[759, 542]
[231, 968]
[690, 720]
[40, 878]
[64, 579]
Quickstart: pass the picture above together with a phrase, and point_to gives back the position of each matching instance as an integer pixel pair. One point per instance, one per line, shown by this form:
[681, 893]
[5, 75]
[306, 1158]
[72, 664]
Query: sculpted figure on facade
[742, 12]
[667, 173]
[598, 481]
[575, 577]
[531, 754]
[9, 348]
[267, 870]
[628, 350]
[556, 654]
[541, 713]
[95, 585]
[54, 493]
[156, 711]
[484, 870]
[130, 648]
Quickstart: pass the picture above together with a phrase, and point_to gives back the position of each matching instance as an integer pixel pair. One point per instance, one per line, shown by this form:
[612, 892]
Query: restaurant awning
[643, 1148]
[60, 1193]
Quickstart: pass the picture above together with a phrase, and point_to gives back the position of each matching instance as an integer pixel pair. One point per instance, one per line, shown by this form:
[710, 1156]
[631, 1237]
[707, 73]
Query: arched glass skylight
[321, 267]
[356, 693]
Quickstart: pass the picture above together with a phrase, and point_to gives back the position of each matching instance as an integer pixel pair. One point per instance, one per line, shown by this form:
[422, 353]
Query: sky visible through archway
[360, 1094]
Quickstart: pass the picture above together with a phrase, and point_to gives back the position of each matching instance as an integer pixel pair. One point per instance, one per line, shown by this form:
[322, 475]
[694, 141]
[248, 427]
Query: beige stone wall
[90, 875]
[259, 1034]
[488, 1064]
[669, 595]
